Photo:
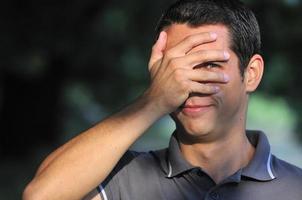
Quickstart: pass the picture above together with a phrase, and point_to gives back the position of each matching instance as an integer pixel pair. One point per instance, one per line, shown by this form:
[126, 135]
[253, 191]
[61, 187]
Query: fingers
[200, 81]
[196, 87]
[174, 73]
[190, 42]
[158, 48]
[207, 76]
[197, 59]
[161, 57]
[205, 56]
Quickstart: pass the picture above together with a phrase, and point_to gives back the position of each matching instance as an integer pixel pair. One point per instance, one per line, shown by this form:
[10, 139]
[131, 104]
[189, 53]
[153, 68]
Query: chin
[194, 127]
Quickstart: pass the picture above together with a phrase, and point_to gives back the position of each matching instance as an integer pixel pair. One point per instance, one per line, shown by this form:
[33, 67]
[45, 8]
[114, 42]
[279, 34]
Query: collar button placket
[214, 196]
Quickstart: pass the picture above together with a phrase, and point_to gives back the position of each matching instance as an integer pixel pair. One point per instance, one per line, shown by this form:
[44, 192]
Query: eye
[210, 65]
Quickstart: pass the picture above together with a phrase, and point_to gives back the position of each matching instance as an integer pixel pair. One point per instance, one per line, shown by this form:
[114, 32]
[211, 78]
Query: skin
[179, 77]
[208, 124]
[218, 112]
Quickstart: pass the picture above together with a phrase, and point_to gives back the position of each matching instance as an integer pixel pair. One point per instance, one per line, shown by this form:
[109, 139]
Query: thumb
[158, 48]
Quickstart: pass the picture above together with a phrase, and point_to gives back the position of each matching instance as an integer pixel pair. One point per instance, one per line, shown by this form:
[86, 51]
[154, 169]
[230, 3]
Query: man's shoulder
[138, 167]
[141, 159]
[286, 170]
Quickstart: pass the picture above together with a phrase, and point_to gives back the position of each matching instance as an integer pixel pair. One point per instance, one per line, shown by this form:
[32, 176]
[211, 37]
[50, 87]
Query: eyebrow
[224, 61]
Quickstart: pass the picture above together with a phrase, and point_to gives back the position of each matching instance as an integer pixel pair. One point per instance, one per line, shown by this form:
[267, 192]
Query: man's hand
[173, 73]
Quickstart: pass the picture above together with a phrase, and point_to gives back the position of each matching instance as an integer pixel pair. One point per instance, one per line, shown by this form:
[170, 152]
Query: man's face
[211, 115]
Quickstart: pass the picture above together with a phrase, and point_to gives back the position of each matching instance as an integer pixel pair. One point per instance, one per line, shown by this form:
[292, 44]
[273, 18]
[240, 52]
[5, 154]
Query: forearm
[84, 162]
[81, 164]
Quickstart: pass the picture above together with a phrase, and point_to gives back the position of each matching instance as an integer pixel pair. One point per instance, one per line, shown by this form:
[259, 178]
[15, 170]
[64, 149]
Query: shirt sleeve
[110, 187]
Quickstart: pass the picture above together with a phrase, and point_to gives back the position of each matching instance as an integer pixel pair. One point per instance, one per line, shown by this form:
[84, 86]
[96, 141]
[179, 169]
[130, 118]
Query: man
[203, 67]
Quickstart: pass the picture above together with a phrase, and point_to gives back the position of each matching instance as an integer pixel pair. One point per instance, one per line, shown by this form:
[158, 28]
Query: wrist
[151, 106]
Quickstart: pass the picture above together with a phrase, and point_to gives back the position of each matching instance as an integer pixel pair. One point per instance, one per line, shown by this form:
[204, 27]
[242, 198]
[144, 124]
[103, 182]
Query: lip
[196, 110]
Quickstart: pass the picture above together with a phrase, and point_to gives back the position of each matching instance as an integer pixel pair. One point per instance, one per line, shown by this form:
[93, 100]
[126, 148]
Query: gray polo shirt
[165, 174]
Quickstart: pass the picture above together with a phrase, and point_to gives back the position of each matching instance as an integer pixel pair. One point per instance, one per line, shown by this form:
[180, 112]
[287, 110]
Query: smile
[196, 110]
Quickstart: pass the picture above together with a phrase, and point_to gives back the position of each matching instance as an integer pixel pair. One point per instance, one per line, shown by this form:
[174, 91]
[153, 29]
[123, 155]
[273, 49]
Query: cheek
[233, 95]
[236, 86]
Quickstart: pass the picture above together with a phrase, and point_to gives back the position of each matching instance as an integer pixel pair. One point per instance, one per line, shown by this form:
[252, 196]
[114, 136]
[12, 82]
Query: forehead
[177, 32]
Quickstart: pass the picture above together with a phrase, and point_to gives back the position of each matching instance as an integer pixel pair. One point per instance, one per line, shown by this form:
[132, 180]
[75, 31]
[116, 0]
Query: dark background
[65, 65]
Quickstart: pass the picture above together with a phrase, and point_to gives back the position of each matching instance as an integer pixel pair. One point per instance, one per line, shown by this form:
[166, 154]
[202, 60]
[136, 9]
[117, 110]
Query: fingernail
[226, 55]
[213, 35]
[160, 35]
[226, 77]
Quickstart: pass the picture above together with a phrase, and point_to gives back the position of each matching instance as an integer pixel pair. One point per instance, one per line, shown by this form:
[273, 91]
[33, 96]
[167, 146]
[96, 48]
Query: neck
[220, 158]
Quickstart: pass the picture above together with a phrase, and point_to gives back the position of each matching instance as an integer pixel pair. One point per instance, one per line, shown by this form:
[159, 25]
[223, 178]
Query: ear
[253, 73]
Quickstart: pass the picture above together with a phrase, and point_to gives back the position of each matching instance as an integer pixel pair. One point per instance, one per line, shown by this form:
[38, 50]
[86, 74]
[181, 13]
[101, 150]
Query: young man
[203, 67]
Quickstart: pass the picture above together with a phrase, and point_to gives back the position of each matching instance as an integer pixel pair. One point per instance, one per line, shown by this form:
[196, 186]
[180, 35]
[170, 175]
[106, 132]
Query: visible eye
[210, 65]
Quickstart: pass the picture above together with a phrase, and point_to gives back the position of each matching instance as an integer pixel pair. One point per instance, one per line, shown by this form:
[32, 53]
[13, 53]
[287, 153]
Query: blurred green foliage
[65, 65]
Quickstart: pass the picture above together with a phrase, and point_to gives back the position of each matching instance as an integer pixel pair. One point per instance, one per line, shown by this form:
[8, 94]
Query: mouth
[197, 106]
[196, 110]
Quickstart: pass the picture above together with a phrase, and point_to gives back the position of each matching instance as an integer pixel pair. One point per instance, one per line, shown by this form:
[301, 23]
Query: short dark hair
[239, 19]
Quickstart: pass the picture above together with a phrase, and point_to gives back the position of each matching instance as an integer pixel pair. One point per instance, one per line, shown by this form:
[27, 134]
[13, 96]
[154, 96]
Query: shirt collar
[176, 162]
[260, 168]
